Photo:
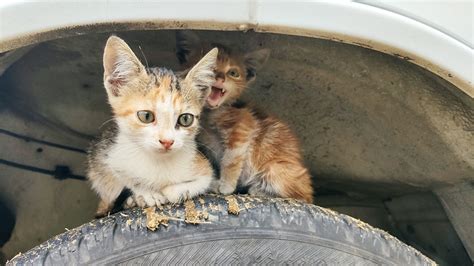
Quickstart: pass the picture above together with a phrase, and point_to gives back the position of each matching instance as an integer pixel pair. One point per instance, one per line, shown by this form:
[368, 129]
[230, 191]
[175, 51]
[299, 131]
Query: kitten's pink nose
[219, 83]
[167, 143]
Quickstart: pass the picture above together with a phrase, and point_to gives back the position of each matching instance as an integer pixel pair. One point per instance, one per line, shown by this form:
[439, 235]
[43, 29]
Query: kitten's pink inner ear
[116, 81]
[120, 65]
[115, 84]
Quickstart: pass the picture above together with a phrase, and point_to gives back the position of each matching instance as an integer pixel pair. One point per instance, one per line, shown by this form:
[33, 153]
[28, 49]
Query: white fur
[153, 177]
[187, 190]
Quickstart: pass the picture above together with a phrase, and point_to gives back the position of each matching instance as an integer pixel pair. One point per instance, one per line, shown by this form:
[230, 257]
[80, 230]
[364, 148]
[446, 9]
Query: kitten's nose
[219, 83]
[220, 76]
[167, 143]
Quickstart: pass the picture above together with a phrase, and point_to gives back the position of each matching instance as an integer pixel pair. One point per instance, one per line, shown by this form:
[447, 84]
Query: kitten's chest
[142, 170]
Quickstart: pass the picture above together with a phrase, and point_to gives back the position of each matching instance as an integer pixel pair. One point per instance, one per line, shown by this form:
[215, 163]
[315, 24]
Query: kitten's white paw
[149, 199]
[140, 200]
[226, 188]
[130, 203]
[160, 199]
[174, 196]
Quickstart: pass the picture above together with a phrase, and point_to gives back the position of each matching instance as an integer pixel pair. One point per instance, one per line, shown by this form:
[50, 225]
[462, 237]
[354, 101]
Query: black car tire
[256, 231]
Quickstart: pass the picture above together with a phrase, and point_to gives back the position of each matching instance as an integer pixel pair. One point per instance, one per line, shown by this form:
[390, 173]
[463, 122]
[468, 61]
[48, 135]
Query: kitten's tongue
[215, 96]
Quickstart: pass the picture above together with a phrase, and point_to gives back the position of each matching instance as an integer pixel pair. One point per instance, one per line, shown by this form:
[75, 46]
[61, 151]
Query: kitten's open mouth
[216, 95]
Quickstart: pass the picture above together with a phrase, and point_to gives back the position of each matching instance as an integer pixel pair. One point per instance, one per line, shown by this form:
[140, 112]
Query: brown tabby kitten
[251, 149]
[151, 147]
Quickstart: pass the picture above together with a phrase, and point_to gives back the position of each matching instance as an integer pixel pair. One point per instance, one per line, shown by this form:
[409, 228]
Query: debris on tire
[153, 219]
[233, 205]
[193, 216]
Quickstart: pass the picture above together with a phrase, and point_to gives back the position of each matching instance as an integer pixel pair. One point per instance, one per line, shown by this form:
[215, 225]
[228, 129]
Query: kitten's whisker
[107, 121]
[144, 57]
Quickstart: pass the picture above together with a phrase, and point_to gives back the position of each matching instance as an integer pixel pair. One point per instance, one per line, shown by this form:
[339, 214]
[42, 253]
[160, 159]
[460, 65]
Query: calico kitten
[251, 149]
[150, 148]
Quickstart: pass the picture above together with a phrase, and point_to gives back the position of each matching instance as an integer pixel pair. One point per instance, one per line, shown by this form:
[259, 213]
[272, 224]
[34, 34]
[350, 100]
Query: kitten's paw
[103, 209]
[140, 201]
[101, 213]
[172, 195]
[226, 188]
[149, 199]
[214, 186]
[160, 199]
[254, 191]
[175, 195]
[130, 203]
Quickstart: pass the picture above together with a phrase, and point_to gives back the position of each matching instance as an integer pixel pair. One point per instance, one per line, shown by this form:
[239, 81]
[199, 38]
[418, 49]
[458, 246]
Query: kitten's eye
[185, 120]
[233, 73]
[146, 117]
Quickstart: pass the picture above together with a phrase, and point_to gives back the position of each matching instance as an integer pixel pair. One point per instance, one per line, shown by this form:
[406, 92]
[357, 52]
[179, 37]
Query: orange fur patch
[202, 165]
[165, 82]
[134, 102]
[274, 152]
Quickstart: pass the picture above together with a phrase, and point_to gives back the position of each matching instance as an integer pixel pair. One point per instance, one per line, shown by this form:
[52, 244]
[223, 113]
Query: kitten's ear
[201, 77]
[121, 66]
[254, 61]
[188, 46]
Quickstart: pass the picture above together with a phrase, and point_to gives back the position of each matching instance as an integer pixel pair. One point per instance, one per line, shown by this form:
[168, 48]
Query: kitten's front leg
[231, 168]
[107, 187]
[202, 171]
[187, 190]
[145, 198]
